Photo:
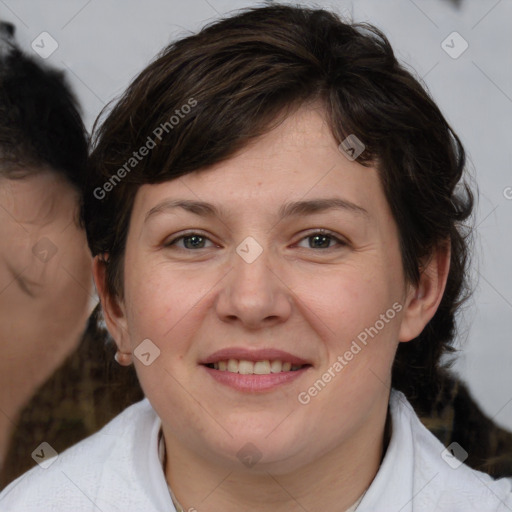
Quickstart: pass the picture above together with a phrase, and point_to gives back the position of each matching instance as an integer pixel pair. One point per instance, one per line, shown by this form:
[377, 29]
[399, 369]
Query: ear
[424, 298]
[113, 309]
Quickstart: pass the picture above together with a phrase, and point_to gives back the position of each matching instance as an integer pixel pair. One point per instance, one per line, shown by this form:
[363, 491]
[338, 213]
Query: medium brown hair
[246, 72]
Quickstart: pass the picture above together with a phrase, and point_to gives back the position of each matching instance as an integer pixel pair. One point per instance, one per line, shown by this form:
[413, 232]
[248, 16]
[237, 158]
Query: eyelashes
[194, 237]
[194, 241]
[322, 236]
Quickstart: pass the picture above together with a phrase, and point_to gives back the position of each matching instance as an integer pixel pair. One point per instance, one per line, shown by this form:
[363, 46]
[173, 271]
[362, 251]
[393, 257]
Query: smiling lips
[254, 370]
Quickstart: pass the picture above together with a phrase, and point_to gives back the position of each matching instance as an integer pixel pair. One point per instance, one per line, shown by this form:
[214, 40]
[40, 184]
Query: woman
[278, 250]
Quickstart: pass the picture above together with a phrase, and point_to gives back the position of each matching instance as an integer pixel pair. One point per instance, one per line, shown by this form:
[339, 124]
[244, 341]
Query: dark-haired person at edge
[45, 264]
[46, 287]
[280, 256]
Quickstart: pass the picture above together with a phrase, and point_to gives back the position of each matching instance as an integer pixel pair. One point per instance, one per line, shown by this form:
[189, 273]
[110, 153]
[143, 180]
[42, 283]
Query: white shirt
[118, 470]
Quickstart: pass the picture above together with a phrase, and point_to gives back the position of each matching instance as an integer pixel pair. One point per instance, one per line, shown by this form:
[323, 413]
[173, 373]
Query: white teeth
[233, 366]
[265, 367]
[262, 368]
[276, 366]
[245, 367]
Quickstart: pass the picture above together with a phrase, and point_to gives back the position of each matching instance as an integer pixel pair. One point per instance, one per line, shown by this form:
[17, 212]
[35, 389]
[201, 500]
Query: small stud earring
[123, 358]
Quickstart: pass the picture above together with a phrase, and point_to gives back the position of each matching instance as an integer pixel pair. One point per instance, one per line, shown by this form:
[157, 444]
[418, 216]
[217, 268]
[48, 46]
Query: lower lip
[255, 383]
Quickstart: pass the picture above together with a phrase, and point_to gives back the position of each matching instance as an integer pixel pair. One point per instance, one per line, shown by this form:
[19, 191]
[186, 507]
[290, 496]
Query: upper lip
[269, 354]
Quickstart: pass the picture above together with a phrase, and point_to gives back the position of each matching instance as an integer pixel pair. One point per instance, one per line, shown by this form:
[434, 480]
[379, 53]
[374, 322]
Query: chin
[260, 451]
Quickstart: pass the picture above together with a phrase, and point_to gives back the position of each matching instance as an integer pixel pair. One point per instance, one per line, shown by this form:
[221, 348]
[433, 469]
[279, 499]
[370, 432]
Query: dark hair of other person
[40, 126]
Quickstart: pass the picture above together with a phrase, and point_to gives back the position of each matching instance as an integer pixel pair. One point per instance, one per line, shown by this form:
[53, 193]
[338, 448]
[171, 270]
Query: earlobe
[123, 359]
[113, 312]
[424, 298]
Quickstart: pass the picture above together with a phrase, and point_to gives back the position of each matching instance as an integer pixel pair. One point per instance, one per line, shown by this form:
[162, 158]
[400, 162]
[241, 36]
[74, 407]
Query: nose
[254, 293]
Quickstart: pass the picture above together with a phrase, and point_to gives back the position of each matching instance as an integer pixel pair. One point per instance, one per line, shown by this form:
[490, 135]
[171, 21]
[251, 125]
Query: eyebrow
[292, 209]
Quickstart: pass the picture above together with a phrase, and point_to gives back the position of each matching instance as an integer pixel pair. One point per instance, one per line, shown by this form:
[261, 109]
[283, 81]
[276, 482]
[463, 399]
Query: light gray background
[104, 44]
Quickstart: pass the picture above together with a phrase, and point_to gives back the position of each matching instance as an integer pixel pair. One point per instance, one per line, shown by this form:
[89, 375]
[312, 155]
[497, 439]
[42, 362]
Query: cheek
[354, 314]
[346, 300]
[161, 303]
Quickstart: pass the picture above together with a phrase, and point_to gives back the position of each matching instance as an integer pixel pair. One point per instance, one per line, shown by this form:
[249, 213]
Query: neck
[340, 476]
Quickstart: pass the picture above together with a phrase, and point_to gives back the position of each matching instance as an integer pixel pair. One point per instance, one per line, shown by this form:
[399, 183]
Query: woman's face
[286, 253]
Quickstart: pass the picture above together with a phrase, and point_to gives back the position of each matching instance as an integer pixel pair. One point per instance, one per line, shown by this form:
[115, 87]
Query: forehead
[298, 159]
